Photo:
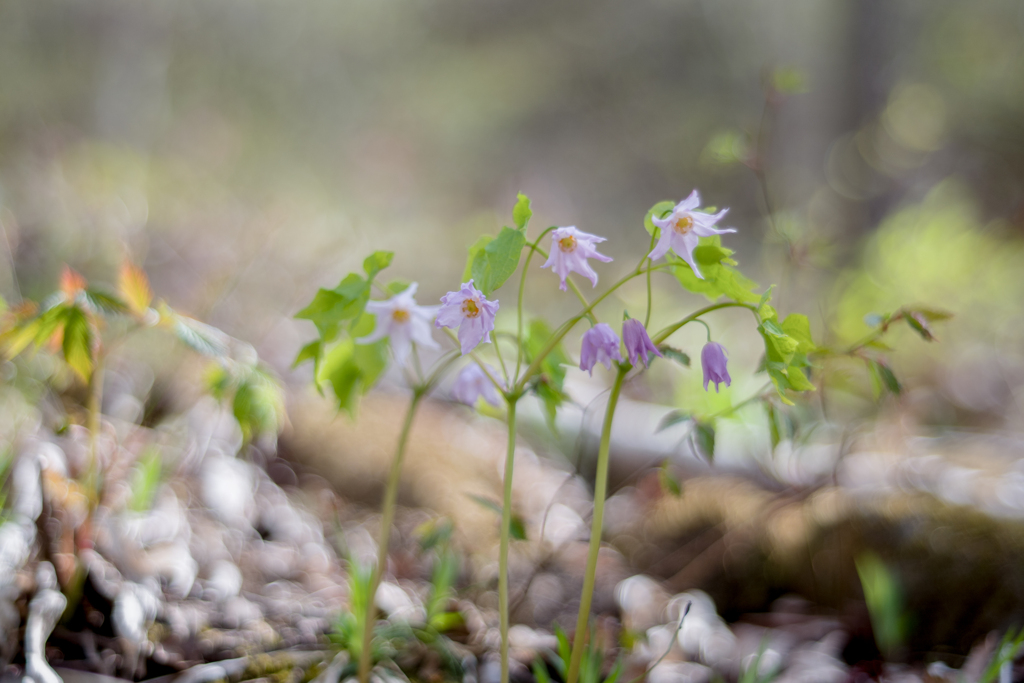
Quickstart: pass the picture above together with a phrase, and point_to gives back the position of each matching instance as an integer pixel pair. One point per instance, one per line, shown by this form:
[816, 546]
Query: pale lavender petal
[472, 383]
[586, 236]
[472, 332]
[401, 342]
[664, 244]
[590, 252]
[708, 231]
[689, 204]
[450, 315]
[684, 247]
[378, 307]
[427, 313]
[419, 331]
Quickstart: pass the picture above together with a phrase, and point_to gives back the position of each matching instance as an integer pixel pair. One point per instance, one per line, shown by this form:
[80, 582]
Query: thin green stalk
[668, 331]
[522, 291]
[501, 361]
[506, 533]
[94, 407]
[387, 516]
[572, 284]
[647, 316]
[596, 527]
[558, 334]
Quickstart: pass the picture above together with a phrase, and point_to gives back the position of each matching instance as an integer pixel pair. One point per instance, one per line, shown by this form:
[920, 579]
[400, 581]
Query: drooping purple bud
[637, 341]
[600, 345]
[712, 360]
[472, 383]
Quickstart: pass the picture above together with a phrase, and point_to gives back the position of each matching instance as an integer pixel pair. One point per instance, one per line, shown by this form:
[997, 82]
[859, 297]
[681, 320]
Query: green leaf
[397, 286]
[340, 370]
[36, 331]
[376, 262]
[920, 324]
[884, 378]
[517, 528]
[720, 278]
[669, 482]
[258, 404]
[522, 212]
[616, 672]
[372, 360]
[446, 621]
[540, 671]
[311, 351]
[704, 440]
[552, 397]
[764, 311]
[932, 314]
[200, 337]
[884, 597]
[352, 369]
[798, 380]
[498, 260]
[798, 327]
[475, 249]
[659, 210]
[77, 342]
[675, 354]
[779, 347]
[330, 307]
[101, 302]
[774, 428]
[564, 650]
[146, 479]
[671, 418]
[548, 386]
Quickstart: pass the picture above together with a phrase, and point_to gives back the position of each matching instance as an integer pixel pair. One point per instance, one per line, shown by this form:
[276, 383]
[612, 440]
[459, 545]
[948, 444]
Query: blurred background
[246, 153]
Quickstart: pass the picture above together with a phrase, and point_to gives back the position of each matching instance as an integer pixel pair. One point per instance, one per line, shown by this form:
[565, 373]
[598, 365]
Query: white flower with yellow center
[681, 230]
[401, 320]
[570, 249]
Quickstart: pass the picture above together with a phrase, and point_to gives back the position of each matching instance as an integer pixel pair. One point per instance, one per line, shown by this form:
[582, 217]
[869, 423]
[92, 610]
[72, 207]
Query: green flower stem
[501, 361]
[522, 290]
[668, 331]
[596, 527]
[93, 478]
[506, 532]
[387, 517]
[647, 316]
[563, 330]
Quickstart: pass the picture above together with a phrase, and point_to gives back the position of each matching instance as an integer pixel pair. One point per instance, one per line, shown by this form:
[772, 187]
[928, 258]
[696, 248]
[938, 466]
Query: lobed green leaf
[498, 260]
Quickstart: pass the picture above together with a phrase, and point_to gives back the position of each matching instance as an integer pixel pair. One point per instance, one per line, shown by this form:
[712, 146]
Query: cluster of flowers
[404, 322]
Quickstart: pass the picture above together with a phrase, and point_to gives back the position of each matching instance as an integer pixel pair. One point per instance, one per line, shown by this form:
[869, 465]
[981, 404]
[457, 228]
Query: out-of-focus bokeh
[246, 152]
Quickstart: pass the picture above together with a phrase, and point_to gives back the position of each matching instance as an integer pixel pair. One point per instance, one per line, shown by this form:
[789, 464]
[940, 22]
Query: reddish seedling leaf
[71, 283]
[133, 285]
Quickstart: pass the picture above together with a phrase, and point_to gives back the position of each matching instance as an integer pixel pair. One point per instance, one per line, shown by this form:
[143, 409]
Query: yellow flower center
[683, 225]
[470, 309]
[400, 315]
[567, 244]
